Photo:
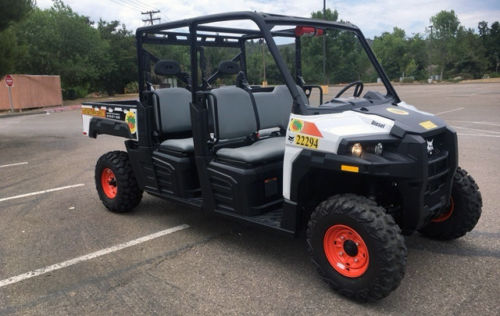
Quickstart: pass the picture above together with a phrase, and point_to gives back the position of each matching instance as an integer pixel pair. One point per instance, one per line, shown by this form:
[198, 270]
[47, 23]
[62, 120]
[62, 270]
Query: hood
[406, 120]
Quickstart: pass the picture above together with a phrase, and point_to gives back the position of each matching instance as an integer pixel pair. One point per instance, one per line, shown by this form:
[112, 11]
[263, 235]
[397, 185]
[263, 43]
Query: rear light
[308, 30]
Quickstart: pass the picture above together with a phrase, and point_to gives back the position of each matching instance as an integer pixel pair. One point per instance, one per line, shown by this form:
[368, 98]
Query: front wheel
[116, 183]
[357, 247]
[462, 214]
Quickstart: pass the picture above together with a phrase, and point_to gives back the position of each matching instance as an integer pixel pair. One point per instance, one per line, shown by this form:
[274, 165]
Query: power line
[142, 4]
[130, 3]
[129, 6]
[151, 19]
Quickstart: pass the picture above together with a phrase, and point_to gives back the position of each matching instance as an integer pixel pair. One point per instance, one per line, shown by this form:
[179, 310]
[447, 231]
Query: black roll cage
[197, 38]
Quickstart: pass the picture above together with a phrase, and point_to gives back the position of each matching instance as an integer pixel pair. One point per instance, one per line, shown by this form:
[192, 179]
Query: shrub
[131, 87]
[72, 93]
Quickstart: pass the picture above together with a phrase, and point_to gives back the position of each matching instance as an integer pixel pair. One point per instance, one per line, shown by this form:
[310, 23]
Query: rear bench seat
[236, 117]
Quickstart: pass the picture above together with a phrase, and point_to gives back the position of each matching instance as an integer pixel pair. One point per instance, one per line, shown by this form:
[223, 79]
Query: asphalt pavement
[62, 252]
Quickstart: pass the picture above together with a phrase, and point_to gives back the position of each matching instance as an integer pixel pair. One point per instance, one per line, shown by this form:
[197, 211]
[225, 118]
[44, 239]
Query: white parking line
[485, 131]
[478, 135]
[449, 111]
[476, 122]
[14, 164]
[99, 253]
[41, 192]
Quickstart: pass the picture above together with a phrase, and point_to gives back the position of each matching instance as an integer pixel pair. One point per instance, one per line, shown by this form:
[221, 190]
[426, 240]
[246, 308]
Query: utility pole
[151, 19]
[263, 44]
[430, 51]
[324, 45]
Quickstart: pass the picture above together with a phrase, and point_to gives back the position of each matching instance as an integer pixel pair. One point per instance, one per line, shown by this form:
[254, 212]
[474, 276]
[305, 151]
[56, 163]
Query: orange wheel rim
[445, 216]
[108, 183]
[346, 251]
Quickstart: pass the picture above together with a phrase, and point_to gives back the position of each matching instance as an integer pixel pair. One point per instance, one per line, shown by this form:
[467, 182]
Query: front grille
[438, 169]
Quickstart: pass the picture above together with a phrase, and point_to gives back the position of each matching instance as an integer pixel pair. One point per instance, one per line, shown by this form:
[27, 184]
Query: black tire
[128, 195]
[381, 235]
[465, 210]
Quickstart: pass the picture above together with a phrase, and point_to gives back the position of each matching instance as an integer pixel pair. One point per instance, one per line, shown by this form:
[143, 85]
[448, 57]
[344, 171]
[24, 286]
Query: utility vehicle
[355, 172]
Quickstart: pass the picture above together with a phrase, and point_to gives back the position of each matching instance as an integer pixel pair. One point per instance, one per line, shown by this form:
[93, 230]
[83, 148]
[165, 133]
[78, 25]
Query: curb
[41, 111]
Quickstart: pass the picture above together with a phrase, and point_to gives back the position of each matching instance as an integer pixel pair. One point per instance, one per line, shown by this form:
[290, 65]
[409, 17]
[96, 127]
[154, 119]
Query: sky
[373, 17]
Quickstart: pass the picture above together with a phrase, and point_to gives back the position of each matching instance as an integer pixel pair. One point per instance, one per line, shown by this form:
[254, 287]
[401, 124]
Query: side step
[270, 220]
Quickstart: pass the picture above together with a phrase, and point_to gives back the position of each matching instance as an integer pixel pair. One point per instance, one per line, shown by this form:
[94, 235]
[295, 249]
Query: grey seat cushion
[185, 145]
[262, 150]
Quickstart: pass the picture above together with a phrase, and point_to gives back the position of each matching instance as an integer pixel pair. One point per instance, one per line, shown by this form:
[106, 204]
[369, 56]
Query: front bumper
[422, 179]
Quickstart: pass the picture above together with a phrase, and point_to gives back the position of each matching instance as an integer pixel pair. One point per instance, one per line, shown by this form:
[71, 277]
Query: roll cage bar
[197, 37]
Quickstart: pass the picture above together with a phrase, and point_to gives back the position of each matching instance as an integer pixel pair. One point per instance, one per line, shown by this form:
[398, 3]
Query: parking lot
[212, 265]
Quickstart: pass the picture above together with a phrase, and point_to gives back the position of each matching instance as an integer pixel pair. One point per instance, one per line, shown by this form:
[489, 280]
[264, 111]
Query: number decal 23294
[306, 141]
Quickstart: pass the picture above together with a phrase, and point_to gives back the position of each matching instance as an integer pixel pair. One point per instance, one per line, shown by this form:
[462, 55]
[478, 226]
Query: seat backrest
[235, 113]
[274, 107]
[173, 110]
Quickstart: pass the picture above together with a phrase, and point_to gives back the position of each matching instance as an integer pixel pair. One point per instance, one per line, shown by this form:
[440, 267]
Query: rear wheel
[115, 182]
[463, 211]
[358, 248]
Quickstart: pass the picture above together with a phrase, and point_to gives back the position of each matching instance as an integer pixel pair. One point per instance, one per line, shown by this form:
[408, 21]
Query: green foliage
[446, 25]
[392, 51]
[13, 10]
[400, 55]
[59, 41]
[10, 50]
[75, 92]
[490, 38]
[121, 54]
[443, 39]
[131, 87]
[345, 59]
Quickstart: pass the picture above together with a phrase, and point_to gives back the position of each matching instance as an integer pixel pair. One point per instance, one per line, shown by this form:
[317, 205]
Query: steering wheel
[357, 90]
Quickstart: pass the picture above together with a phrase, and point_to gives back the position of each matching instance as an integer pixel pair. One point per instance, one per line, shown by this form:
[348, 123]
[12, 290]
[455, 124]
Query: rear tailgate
[118, 118]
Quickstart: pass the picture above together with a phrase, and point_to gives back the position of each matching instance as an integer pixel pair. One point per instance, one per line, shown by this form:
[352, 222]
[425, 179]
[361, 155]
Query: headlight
[357, 149]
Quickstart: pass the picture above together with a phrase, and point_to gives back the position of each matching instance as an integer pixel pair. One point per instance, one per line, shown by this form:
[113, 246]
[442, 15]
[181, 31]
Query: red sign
[9, 80]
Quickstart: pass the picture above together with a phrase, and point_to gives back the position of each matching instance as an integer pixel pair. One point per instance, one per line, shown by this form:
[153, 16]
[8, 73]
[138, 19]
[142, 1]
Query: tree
[417, 51]
[61, 42]
[122, 57]
[445, 28]
[490, 38]
[12, 11]
[392, 51]
[10, 51]
[469, 57]
[312, 56]
[493, 47]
